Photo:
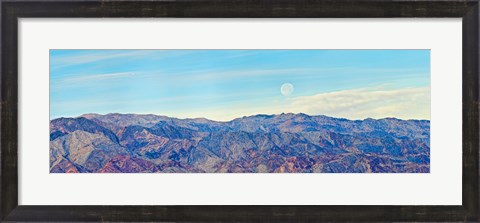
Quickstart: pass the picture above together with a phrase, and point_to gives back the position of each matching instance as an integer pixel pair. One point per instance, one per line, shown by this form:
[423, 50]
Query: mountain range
[284, 143]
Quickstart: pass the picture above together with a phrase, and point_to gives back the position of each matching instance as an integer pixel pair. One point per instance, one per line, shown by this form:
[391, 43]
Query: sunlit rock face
[285, 143]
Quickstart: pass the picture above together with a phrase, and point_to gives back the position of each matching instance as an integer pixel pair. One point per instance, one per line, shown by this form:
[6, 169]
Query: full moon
[286, 89]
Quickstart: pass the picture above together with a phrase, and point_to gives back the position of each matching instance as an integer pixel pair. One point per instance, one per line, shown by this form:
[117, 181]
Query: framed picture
[215, 111]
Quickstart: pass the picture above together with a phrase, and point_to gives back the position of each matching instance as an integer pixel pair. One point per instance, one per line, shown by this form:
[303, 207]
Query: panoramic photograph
[239, 111]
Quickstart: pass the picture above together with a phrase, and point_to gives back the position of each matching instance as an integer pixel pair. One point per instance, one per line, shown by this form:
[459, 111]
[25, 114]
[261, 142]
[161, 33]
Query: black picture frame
[466, 9]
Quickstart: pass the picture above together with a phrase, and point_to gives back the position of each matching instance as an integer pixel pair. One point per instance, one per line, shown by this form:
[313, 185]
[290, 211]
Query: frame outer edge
[9, 125]
[471, 123]
[9, 112]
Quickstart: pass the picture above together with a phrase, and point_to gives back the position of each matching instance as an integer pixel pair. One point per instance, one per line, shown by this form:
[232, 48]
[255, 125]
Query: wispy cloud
[215, 75]
[405, 103]
[59, 61]
[296, 73]
[355, 104]
[98, 77]
[83, 80]
[362, 103]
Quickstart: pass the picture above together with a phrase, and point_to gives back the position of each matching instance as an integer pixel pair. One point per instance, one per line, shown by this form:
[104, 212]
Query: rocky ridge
[293, 143]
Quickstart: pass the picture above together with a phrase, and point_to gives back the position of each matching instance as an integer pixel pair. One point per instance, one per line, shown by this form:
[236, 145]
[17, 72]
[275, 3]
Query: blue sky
[225, 84]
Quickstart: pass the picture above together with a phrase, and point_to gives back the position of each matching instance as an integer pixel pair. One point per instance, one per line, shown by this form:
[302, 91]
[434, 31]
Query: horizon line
[240, 117]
